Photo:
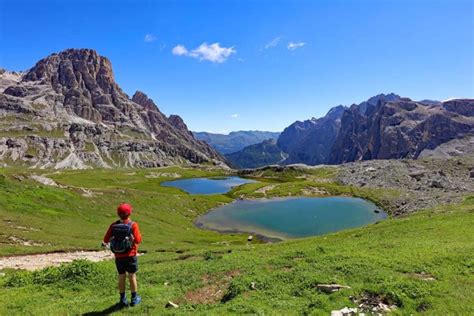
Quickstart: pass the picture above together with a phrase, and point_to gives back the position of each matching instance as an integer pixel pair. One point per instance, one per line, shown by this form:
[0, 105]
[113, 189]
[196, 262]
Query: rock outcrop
[68, 112]
[310, 142]
[386, 126]
[400, 129]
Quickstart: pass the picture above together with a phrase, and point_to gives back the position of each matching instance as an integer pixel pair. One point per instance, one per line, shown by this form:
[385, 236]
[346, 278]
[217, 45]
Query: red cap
[124, 209]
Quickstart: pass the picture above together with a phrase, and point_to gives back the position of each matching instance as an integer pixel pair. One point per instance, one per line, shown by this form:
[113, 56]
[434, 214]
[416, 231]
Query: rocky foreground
[422, 183]
[68, 112]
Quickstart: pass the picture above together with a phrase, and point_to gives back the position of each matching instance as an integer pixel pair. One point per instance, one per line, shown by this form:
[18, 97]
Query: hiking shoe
[123, 303]
[136, 300]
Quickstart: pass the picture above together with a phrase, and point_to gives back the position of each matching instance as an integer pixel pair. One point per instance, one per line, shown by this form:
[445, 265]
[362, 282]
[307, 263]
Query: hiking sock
[134, 294]
[122, 296]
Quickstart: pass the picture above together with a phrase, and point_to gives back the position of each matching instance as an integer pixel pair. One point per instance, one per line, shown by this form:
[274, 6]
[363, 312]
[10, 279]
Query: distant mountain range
[257, 155]
[385, 126]
[68, 112]
[234, 141]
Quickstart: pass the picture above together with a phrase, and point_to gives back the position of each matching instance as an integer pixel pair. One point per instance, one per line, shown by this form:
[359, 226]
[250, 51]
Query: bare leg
[121, 283]
[132, 277]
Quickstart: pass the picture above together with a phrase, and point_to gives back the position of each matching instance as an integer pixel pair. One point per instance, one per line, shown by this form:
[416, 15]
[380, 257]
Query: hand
[103, 244]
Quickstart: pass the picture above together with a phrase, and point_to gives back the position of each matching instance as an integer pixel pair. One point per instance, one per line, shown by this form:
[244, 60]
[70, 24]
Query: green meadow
[422, 263]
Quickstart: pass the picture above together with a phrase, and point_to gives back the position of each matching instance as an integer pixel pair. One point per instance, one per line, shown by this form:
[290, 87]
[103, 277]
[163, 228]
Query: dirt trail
[40, 261]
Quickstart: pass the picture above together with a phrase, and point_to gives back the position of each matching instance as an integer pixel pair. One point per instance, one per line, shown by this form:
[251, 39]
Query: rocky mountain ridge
[385, 126]
[68, 112]
[310, 141]
[400, 128]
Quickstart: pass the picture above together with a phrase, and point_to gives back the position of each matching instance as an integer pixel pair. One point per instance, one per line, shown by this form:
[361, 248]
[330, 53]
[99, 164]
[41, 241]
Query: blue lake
[207, 185]
[284, 218]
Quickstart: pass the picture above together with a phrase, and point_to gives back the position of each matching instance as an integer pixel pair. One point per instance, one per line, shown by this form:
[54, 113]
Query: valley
[417, 260]
[389, 183]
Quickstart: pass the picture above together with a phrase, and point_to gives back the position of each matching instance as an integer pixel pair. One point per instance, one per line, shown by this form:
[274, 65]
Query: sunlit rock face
[68, 112]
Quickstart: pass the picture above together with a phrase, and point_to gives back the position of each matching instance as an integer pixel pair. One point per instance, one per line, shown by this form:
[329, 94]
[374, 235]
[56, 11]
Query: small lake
[219, 185]
[284, 218]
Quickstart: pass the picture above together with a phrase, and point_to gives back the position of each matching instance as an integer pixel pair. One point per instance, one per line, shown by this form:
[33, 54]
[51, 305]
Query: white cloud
[273, 43]
[179, 50]
[149, 38]
[234, 115]
[214, 53]
[293, 46]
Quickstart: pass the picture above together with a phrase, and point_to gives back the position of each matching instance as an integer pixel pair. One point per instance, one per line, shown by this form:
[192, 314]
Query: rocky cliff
[68, 112]
[385, 126]
[310, 142]
[401, 129]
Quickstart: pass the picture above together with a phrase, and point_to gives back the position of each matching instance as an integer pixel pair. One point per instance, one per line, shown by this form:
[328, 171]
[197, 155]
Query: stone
[417, 174]
[346, 311]
[331, 288]
[250, 238]
[436, 184]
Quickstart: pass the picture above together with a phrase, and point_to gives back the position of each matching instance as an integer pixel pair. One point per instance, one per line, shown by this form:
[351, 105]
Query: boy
[124, 237]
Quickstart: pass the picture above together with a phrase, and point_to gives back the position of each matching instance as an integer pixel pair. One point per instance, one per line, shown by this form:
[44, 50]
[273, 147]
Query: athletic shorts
[127, 264]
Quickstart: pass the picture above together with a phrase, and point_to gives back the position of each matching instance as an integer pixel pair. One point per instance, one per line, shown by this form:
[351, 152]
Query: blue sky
[272, 62]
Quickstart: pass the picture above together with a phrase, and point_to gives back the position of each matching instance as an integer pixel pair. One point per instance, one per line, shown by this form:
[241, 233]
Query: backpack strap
[129, 224]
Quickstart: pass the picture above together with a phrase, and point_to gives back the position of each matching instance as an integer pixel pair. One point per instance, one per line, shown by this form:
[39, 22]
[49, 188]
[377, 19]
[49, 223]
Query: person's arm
[108, 235]
[136, 233]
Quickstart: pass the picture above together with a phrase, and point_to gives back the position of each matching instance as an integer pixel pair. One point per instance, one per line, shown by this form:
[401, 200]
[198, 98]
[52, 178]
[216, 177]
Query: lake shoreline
[266, 235]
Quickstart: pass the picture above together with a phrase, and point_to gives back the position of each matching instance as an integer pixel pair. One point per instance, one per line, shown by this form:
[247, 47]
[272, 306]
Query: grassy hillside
[422, 262]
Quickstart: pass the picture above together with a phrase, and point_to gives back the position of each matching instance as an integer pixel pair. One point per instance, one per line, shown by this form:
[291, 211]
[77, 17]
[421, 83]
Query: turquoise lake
[284, 218]
[207, 185]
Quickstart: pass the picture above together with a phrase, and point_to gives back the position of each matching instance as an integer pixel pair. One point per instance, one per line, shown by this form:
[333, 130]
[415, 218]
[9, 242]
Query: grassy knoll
[422, 262]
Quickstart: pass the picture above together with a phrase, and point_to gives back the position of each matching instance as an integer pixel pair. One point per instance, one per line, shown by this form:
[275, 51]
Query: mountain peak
[74, 68]
[79, 96]
[177, 122]
[143, 100]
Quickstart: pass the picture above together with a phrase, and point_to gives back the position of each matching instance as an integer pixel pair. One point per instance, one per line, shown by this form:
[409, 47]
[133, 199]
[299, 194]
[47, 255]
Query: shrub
[209, 255]
[79, 271]
[19, 279]
[76, 272]
[232, 291]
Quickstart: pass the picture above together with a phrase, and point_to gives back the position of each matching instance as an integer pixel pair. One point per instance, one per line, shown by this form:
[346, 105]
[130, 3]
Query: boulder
[331, 288]
[346, 311]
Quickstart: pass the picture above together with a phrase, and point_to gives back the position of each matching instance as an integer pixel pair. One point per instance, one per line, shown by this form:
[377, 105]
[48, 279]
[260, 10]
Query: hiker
[124, 237]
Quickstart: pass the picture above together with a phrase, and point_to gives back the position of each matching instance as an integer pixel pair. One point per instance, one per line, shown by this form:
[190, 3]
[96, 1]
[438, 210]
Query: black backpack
[122, 238]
